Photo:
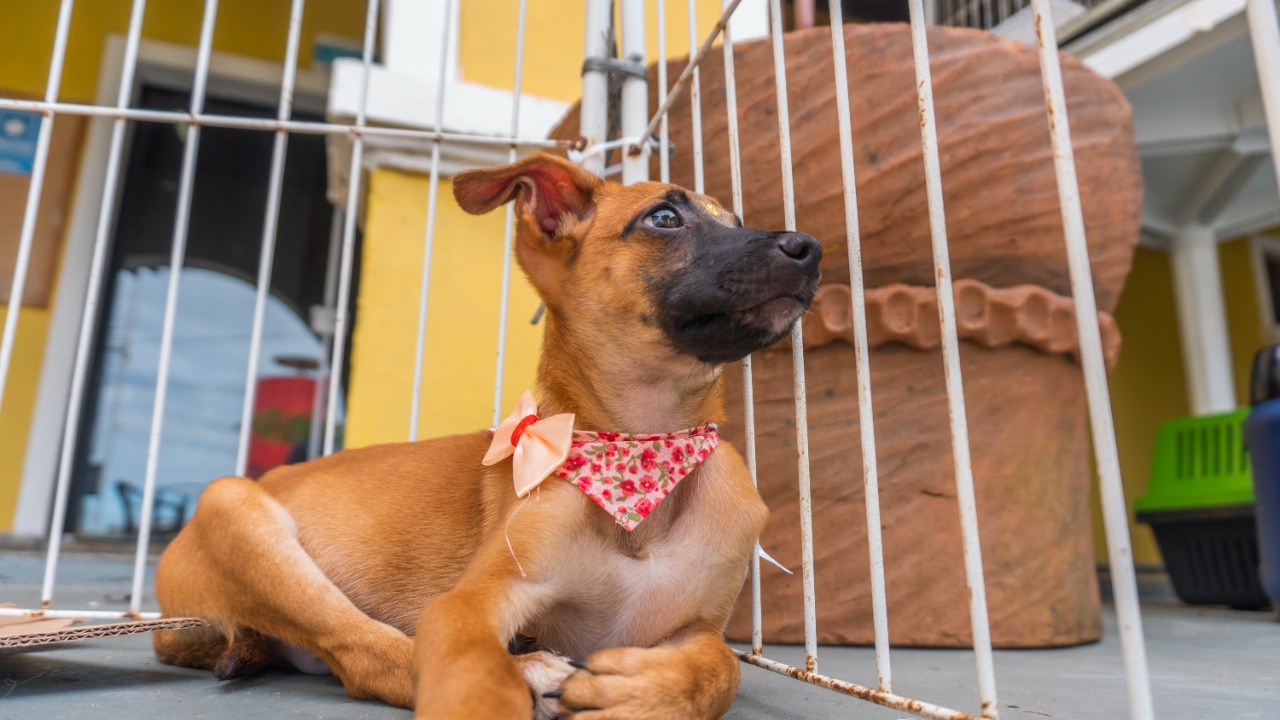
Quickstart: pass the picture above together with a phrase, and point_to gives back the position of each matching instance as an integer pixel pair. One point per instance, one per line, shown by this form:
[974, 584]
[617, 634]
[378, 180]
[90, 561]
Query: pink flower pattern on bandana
[628, 475]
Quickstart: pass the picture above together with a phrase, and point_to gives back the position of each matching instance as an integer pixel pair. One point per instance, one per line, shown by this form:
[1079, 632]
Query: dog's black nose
[801, 248]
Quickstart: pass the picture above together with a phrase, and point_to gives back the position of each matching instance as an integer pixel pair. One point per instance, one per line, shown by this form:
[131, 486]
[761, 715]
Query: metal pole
[862, 355]
[325, 332]
[177, 257]
[664, 129]
[879, 697]
[748, 391]
[635, 92]
[34, 190]
[965, 496]
[695, 100]
[97, 268]
[349, 234]
[593, 111]
[797, 356]
[433, 187]
[270, 224]
[295, 127]
[1114, 513]
[509, 229]
[687, 74]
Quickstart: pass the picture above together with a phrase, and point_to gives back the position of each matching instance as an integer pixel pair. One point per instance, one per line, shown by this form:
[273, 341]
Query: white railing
[989, 14]
[635, 115]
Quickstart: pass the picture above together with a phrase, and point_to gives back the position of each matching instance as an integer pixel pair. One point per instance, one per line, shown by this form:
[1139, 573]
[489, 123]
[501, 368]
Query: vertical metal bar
[593, 111]
[318, 408]
[635, 92]
[664, 132]
[433, 187]
[97, 268]
[177, 257]
[1266, 53]
[748, 391]
[797, 355]
[275, 183]
[695, 99]
[951, 354]
[1115, 516]
[34, 191]
[862, 355]
[687, 73]
[349, 233]
[509, 228]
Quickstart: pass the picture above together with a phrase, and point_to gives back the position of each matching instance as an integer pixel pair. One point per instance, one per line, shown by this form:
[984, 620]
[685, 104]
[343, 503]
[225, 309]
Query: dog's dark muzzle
[742, 292]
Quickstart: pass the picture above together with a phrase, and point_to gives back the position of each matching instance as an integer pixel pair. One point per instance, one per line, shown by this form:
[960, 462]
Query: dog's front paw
[544, 671]
[640, 684]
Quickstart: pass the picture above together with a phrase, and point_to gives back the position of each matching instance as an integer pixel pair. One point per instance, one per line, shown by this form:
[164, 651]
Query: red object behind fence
[281, 418]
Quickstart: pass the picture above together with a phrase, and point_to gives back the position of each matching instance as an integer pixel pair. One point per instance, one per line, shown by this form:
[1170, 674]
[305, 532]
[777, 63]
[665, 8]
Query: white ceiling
[1200, 129]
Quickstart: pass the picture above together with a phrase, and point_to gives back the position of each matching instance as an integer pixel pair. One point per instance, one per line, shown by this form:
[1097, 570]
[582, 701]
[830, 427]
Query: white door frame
[165, 65]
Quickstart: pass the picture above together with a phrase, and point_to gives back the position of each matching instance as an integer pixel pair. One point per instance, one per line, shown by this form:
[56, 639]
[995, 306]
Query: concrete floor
[1205, 664]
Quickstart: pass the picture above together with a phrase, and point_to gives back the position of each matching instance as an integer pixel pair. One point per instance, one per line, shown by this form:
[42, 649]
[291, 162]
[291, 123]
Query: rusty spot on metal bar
[879, 697]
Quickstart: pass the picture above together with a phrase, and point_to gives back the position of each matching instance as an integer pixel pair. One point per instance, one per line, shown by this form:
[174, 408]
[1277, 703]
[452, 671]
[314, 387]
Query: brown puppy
[649, 290]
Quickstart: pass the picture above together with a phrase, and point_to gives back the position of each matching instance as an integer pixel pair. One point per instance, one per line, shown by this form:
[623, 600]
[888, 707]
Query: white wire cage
[638, 124]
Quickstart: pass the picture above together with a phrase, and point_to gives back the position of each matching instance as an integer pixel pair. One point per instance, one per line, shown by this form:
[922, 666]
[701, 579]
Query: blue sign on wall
[18, 132]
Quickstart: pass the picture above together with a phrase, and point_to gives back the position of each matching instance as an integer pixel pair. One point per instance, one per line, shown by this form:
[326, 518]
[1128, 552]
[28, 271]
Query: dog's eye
[664, 219]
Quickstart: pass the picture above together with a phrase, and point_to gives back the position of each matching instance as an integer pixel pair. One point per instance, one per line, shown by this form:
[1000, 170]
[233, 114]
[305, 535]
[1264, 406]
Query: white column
[635, 92]
[1265, 33]
[593, 112]
[1202, 320]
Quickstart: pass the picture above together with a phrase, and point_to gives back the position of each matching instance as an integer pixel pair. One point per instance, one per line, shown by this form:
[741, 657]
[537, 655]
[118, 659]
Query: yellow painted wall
[553, 42]
[19, 403]
[462, 326]
[1148, 385]
[463, 323]
[245, 27]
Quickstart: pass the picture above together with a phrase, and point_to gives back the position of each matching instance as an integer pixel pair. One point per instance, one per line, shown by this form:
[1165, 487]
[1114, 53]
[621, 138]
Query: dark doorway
[214, 318]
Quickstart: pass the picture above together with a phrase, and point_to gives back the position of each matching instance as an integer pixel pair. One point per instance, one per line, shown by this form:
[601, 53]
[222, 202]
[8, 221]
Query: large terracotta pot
[1024, 392]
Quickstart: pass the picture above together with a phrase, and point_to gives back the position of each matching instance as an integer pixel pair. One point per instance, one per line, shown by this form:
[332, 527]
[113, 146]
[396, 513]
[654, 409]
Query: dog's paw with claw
[637, 684]
[544, 671]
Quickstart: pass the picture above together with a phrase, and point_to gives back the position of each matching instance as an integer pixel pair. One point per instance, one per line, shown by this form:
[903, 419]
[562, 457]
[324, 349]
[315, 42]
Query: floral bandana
[627, 475]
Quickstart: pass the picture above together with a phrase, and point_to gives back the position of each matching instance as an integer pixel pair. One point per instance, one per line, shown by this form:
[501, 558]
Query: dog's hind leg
[239, 564]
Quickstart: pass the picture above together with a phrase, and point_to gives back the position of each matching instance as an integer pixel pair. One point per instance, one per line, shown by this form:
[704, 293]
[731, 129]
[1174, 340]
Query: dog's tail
[229, 653]
[247, 654]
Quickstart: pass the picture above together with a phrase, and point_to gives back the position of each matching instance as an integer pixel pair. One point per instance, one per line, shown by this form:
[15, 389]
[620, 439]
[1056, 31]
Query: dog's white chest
[618, 600]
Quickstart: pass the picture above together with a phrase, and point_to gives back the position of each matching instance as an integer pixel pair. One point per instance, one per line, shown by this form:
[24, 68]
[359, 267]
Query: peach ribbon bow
[540, 445]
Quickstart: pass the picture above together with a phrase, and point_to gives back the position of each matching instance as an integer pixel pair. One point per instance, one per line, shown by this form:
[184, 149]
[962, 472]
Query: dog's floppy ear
[548, 186]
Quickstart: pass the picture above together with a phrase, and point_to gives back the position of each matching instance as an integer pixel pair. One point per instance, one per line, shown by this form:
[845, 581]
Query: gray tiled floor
[1205, 663]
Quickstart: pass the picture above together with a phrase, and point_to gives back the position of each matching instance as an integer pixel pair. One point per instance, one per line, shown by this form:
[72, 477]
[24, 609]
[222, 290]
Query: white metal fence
[637, 127]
